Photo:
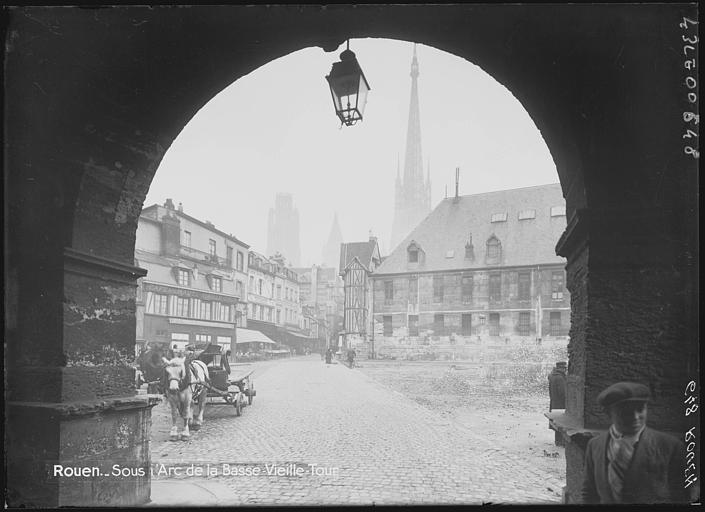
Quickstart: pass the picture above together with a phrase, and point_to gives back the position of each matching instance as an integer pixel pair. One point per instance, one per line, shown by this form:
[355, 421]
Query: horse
[184, 387]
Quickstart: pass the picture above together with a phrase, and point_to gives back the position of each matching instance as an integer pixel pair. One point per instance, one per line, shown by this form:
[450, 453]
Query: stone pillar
[80, 410]
[627, 282]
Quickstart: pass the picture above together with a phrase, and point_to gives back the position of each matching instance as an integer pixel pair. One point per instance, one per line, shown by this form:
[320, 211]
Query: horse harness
[185, 381]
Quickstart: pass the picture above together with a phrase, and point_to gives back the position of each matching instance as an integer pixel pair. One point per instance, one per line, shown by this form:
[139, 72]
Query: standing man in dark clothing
[631, 463]
[556, 386]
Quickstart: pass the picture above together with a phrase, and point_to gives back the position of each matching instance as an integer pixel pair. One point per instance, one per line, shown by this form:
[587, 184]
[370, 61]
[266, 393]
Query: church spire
[413, 192]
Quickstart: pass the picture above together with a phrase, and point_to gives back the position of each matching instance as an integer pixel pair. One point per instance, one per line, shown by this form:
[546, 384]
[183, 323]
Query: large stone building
[331, 250]
[283, 229]
[480, 269]
[412, 200]
[195, 288]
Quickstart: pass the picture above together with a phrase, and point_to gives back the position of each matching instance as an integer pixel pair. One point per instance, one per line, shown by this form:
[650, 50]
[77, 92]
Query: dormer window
[499, 217]
[414, 253]
[469, 250]
[494, 249]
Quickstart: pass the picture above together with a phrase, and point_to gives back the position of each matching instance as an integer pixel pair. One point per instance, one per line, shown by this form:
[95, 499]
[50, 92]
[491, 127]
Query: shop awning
[251, 336]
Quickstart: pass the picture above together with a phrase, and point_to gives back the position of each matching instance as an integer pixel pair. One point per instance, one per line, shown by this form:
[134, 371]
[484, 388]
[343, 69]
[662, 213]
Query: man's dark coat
[655, 473]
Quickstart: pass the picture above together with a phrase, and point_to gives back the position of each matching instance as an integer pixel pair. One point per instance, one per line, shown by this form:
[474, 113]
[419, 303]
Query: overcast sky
[275, 130]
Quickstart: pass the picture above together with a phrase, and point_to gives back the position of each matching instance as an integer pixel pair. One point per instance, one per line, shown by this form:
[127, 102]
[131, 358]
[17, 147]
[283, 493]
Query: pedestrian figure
[631, 463]
[329, 356]
[351, 357]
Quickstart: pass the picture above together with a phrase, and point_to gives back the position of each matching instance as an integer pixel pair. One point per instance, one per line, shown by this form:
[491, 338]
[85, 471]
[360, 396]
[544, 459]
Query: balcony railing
[206, 257]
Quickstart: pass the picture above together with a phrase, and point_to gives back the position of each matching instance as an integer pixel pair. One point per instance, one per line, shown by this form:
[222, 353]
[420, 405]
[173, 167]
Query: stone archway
[96, 96]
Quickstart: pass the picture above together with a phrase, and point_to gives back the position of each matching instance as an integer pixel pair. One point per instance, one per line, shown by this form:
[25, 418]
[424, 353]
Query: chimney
[372, 237]
[457, 181]
[169, 204]
[181, 207]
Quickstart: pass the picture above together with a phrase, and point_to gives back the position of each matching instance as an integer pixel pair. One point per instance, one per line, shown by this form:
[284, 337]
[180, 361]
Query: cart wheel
[238, 406]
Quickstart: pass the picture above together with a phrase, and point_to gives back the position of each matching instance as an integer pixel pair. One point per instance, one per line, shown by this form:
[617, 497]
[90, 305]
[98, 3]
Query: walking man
[632, 463]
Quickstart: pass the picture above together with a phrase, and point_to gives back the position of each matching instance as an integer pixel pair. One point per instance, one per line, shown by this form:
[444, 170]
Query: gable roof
[444, 233]
[365, 252]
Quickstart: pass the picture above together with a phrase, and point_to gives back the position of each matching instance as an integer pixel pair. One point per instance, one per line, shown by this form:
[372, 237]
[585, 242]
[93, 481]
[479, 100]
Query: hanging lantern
[348, 87]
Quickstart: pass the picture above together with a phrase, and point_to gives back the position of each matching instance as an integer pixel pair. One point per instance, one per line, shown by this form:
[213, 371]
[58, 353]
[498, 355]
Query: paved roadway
[370, 445]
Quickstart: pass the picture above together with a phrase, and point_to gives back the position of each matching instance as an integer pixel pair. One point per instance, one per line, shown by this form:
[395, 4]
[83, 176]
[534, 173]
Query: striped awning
[251, 336]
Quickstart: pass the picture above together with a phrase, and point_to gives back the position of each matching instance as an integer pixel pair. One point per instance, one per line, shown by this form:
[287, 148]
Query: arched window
[494, 248]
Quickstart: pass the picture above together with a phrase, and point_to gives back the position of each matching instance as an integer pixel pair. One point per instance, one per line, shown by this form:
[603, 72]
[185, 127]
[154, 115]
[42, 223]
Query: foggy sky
[275, 130]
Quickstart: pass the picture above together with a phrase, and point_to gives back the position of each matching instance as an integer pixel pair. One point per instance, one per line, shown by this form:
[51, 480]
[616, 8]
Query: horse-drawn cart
[224, 388]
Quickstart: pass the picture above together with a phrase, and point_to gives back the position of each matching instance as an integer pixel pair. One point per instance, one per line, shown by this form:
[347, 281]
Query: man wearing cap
[631, 463]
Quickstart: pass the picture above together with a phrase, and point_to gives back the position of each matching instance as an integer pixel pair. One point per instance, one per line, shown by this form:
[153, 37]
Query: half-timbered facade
[357, 261]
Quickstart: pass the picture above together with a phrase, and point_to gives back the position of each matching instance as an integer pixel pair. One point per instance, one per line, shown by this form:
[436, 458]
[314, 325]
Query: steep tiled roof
[364, 251]
[443, 234]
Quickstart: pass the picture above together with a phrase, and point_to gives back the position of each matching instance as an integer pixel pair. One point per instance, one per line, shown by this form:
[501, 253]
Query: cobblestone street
[370, 445]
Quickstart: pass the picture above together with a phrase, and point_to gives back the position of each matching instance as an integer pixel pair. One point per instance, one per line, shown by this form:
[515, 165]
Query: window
[159, 304]
[495, 286]
[269, 315]
[205, 310]
[240, 262]
[279, 316]
[225, 312]
[499, 217]
[184, 277]
[187, 238]
[238, 288]
[557, 211]
[254, 310]
[229, 256]
[413, 325]
[388, 291]
[557, 285]
[203, 338]
[437, 288]
[272, 294]
[524, 285]
[527, 214]
[494, 248]
[466, 324]
[261, 312]
[524, 323]
[494, 324]
[182, 306]
[217, 284]
[466, 289]
[413, 256]
[259, 286]
[387, 321]
[279, 291]
[469, 251]
[450, 254]
[252, 284]
[211, 247]
[413, 290]
[438, 325]
[556, 323]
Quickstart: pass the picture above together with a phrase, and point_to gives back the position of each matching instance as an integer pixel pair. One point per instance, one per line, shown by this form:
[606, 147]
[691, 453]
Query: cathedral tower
[283, 229]
[412, 192]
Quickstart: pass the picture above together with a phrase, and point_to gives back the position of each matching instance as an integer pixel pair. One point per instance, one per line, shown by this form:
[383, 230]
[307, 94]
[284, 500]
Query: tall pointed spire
[412, 196]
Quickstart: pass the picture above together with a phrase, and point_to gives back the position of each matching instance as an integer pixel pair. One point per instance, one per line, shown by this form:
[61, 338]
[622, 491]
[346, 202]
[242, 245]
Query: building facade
[479, 270]
[358, 260]
[283, 229]
[195, 288]
[412, 200]
[322, 296]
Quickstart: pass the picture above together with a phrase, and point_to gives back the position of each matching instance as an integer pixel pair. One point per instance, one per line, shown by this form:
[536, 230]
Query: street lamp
[348, 87]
